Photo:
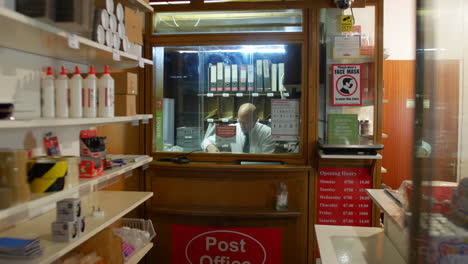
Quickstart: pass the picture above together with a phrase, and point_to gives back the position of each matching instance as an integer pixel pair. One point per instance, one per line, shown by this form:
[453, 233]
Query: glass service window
[229, 98]
[347, 79]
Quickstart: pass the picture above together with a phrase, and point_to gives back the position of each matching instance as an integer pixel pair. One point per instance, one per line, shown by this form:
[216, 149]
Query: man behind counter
[251, 136]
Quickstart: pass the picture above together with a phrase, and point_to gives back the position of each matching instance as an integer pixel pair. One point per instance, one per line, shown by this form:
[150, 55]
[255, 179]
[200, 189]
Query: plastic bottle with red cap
[106, 94]
[89, 91]
[76, 94]
[48, 95]
[62, 94]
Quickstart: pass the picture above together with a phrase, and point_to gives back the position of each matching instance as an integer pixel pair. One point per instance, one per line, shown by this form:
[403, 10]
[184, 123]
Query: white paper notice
[285, 119]
[346, 47]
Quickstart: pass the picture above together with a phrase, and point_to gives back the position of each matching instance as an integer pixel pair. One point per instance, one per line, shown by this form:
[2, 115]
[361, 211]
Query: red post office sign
[218, 245]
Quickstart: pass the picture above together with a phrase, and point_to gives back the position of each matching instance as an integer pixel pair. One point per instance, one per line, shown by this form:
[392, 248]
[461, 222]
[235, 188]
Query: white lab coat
[261, 141]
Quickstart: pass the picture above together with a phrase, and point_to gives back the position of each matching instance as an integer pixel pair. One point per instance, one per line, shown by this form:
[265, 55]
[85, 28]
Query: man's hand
[212, 148]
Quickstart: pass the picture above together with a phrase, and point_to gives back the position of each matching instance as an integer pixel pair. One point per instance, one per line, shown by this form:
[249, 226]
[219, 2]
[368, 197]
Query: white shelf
[33, 36]
[326, 156]
[388, 206]
[140, 5]
[114, 204]
[139, 255]
[59, 122]
[44, 202]
[355, 245]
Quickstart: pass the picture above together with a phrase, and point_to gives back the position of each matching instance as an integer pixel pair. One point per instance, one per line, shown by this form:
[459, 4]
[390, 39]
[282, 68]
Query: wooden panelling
[218, 196]
[398, 121]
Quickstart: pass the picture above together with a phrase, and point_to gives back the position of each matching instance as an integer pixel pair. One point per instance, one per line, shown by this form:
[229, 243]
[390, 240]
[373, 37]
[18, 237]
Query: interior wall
[399, 74]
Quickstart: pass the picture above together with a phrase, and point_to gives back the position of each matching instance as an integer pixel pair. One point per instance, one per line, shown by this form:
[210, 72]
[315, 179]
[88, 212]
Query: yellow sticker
[346, 28]
[346, 23]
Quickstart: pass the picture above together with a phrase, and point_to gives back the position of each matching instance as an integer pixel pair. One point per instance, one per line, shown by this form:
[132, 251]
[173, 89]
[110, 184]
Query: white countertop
[388, 206]
[350, 244]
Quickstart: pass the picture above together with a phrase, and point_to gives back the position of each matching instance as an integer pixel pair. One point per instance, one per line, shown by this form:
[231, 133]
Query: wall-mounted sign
[342, 129]
[285, 119]
[216, 245]
[346, 85]
[347, 47]
[346, 23]
[342, 197]
[225, 134]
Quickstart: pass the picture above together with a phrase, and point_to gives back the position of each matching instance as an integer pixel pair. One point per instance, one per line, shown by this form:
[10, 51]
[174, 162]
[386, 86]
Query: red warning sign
[346, 85]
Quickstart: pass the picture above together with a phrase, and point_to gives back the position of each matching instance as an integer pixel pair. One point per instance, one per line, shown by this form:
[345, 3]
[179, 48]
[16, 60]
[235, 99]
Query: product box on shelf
[134, 26]
[93, 154]
[125, 105]
[125, 82]
[68, 210]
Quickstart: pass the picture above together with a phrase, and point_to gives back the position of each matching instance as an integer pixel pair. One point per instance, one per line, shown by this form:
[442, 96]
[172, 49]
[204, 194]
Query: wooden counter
[228, 195]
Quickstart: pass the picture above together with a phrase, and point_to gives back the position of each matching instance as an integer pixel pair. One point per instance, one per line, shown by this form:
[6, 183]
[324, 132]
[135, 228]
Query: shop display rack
[140, 254]
[41, 203]
[114, 204]
[60, 122]
[36, 37]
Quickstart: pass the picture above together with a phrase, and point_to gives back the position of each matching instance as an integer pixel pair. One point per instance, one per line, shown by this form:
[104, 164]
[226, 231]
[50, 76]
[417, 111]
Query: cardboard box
[134, 26]
[125, 82]
[125, 105]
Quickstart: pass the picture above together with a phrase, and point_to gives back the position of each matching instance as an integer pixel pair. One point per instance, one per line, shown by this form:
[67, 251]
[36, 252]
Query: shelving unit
[43, 202]
[140, 254]
[36, 37]
[140, 5]
[114, 204]
[41, 42]
[242, 94]
[60, 122]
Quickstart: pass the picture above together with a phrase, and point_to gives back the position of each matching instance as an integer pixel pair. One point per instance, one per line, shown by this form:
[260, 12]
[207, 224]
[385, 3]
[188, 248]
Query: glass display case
[228, 98]
[348, 86]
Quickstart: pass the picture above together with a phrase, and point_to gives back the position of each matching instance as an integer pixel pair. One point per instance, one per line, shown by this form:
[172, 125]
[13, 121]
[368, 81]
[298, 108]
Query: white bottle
[282, 197]
[48, 95]
[62, 94]
[106, 94]
[76, 94]
[89, 91]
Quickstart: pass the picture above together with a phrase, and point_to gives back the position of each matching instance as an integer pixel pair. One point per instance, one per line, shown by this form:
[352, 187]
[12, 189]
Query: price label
[116, 55]
[145, 121]
[225, 95]
[270, 95]
[254, 94]
[135, 122]
[141, 62]
[188, 137]
[128, 174]
[73, 41]
[210, 94]
[225, 120]
[286, 94]
[210, 120]
[239, 94]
